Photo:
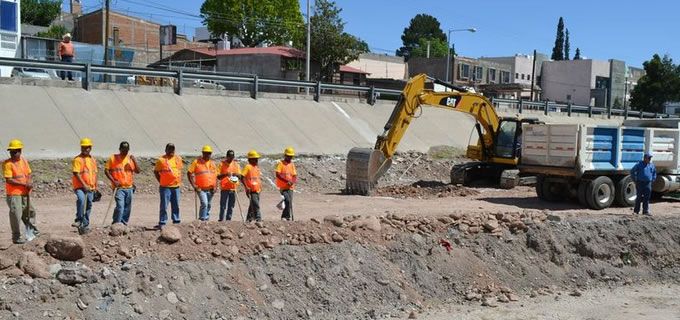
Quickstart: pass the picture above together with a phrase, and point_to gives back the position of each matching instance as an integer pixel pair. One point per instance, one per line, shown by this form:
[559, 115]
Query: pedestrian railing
[553, 108]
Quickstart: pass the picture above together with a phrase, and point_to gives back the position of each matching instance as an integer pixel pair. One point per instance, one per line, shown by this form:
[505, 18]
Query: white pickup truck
[591, 163]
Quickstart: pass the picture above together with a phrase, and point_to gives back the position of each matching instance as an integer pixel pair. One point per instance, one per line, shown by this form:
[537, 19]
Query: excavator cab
[508, 137]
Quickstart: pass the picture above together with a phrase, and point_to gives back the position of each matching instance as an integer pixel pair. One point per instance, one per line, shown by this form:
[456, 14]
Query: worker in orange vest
[66, 54]
[286, 177]
[230, 174]
[84, 182]
[251, 180]
[202, 175]
[18, 185]
[120, 170]
[168, 172]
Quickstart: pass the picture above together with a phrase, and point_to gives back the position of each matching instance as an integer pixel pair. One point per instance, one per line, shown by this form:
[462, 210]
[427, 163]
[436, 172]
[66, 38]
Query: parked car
[208, 84]
[34, 73]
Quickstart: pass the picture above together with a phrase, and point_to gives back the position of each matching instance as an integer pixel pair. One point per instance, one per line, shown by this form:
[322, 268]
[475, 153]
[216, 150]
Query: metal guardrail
[372, 93]
[549, 107]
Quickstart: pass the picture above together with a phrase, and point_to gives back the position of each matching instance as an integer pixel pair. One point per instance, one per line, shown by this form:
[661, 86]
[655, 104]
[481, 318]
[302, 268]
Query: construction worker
[120, 170]
[286, 177]
[18, 185]
[644, 174]
[84, 182]
[202, 175]
[230, 174]
[251, 178]
[168, 172]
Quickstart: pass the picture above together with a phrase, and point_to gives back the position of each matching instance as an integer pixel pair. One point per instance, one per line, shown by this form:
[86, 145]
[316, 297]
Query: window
[8, 16]
[479, 74]
[528, 77]
[464, 72]
[8, 41]
[492, 75]
[505, 77]
[516, 75]
[522, 76]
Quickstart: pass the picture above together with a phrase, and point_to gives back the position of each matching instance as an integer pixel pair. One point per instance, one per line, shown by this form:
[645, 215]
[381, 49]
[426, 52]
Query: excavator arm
[365, 166]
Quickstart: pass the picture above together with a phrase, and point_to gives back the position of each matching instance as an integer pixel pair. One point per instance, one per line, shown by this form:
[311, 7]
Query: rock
[6, 262]
[489, 302]
[473, 296]
[413, 315]
[198, 241]
[54, 268]
[221, 230]
[513, 297]
[81, 305]
[265, 231]
[241, 235]
[337, 237]
[456, 216]
[491, 225]
[125, 252]
[65, 248]
[183, 309]
[171, 234]
[445, 220]
[164, 314]
[259, 224]
[576, 293]
[267, 244]
[182, 257]
[554, 218]
[33, 266]
[117, 229]
[502, 298]
[370, 223]
[278, 304]
[75, 275]
[233, 249]
[216, 253]
[311, 283]
[334, 220]
[172, 297]
[138, 309]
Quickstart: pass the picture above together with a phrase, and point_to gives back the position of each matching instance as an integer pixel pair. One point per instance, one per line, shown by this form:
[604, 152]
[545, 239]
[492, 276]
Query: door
[507, 139]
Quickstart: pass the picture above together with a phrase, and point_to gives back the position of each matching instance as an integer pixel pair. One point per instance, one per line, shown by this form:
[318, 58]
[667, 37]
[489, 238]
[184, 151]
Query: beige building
[381, 66]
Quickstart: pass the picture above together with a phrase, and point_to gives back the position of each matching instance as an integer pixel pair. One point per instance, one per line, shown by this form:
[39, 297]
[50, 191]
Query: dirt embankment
[340, 268]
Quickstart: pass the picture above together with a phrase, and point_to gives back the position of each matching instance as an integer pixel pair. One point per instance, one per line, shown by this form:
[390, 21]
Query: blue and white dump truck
[591, 163]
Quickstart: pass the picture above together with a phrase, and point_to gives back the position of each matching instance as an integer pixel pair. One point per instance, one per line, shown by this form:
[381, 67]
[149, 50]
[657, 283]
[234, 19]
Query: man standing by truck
[644, 174]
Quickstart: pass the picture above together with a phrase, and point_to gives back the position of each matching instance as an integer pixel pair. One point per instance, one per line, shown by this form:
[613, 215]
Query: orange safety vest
[252, 178]
[287, 171]
[88, 172]
[205, 174]
[20, 172]
[170, 177]
[226, 168]
[122, 170]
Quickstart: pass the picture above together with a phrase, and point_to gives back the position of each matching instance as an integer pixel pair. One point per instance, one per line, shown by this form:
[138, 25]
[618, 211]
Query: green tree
[54, 32]
[660, 84]
[331, 46]
[422, 26]
[40, 12]
[577, 55]
[558, 49]
[256, 22]
[566, 45]
[437, 48]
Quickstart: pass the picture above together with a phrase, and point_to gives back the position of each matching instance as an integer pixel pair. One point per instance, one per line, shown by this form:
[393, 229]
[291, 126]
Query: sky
[628, 30]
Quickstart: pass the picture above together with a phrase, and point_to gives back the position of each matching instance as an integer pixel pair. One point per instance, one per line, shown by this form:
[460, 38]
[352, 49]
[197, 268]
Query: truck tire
[600, 193]
[552, 191]
[582, 190]
[625, 192]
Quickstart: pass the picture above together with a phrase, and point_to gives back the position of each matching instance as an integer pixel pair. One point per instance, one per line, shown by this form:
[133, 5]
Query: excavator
[496, 152]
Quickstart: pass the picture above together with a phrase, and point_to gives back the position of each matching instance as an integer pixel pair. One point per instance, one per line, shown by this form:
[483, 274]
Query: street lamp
[448, 48]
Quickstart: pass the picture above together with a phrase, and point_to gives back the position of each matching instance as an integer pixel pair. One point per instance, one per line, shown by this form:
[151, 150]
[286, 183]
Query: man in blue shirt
[643, 173]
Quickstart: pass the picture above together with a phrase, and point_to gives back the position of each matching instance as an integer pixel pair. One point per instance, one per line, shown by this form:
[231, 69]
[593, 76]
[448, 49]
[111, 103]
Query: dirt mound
[425, 190]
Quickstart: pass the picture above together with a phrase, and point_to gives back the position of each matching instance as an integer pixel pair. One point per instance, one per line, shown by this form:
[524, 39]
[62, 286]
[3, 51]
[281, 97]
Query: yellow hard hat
[289, 152]
[207, 148]
[85, 142]
[252, 154]
[15, 144]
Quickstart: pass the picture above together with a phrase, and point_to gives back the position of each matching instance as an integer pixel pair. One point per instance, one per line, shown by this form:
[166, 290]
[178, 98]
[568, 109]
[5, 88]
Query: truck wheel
[552, 191]
[600, 193]
[582, 191]
[625, 192]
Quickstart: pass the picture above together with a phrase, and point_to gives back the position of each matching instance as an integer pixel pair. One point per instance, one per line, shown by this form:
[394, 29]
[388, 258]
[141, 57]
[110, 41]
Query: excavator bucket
[364, 167]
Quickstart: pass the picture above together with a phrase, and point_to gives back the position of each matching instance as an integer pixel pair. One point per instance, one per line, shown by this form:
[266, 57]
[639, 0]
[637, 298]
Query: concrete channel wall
[51, 120]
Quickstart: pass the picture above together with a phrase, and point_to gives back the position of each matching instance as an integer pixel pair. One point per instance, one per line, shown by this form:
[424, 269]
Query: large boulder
[32, 265]
[65, 248]
[171, 234]
[370, 223]
[75, 275]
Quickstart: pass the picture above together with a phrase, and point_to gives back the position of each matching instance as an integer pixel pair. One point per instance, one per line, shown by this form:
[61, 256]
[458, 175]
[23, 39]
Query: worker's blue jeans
[169, 195]
[123, 199]
[205, 196]
[227, 200]
[83, 202]
[644, 192]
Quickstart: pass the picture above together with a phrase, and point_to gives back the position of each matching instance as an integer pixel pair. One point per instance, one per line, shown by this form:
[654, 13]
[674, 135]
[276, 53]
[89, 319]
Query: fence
[569, 109]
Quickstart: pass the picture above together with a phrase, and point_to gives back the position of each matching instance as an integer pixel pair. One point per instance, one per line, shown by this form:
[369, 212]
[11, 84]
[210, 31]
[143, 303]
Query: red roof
[279, 51]
[348, 69]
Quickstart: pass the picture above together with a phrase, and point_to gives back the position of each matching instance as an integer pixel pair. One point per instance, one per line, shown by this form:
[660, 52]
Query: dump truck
[591, 163]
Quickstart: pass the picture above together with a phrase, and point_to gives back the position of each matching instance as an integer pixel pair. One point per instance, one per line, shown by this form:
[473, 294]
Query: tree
[566, 45]
[558, 49]
[437, 48]
[577, 55]
[40, 12]
[660, 84]
[331, 46]
[256, 22]
[422, 26]
[54, 32]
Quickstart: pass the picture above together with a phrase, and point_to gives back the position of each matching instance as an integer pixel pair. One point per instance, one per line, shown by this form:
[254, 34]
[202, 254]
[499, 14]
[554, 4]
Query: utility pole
[309, 33]
[106, 33]
[533, 75]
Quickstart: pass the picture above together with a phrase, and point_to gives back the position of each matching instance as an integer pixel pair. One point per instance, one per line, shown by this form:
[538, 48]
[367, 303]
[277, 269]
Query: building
[585, 82]
[380, 66]
[10, 31]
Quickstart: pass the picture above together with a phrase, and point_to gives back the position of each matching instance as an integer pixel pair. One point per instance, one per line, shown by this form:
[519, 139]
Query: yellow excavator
[496, 151]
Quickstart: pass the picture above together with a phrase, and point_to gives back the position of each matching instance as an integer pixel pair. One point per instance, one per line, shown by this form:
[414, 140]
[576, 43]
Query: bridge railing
[553, 108]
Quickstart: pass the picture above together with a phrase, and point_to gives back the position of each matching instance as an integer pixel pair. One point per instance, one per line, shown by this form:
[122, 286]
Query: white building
[10, 32]
[521, 66]
[585, 82]
[381, 66]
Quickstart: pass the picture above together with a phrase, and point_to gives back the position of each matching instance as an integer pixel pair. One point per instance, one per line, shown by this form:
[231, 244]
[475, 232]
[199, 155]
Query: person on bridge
[644, 174]
[202, 175]
[66, 54]
[120, 170]
[286, 177]
[168, 172]
[230, 174]
[84, 181]
[251, 178]
[18, 185]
